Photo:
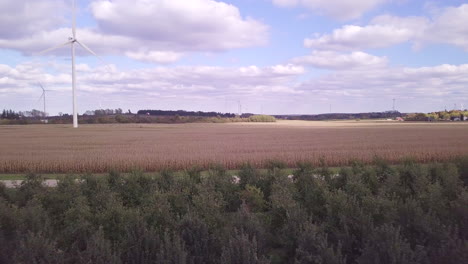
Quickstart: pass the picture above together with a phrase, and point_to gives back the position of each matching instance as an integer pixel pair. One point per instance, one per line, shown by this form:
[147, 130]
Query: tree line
[334, 116]
[184, 113]
[109, 116]
[410, 213]
[13, 115]
[454, 115]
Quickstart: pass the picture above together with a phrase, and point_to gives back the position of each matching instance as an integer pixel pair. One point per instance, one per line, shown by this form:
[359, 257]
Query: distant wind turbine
[43, 96]
[71, 41]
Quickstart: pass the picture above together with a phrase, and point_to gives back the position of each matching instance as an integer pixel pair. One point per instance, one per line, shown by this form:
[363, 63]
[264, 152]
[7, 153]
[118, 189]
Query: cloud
[339, 9]
[384, 31]
[442, 82]
[163, 57]
[448, 27]
[205, 25]
[288, 69]
[20, 18]
[277, 87]
[337, 61]
[155, 31]
[204, 81]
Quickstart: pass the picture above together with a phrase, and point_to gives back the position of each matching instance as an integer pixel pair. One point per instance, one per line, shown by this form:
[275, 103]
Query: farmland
[123, 212]
[152, 147]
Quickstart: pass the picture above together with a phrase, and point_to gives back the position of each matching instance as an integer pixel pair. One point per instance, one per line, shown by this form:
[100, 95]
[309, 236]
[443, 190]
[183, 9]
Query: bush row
[409, 213]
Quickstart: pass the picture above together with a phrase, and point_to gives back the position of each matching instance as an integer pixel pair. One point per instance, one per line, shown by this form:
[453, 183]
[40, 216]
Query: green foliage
[36, 248]
[409, 213]
[98, 250]
[253, 197]
[313, 247]
[262, 118]
[385, 245]
[417, 117]
[248, 175]
[240, 249]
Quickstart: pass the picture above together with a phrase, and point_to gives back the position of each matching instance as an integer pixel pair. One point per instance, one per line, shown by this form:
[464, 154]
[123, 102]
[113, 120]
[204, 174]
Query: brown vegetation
[151, 147]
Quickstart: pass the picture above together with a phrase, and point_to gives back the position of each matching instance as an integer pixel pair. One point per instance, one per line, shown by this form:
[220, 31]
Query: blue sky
[274, 56]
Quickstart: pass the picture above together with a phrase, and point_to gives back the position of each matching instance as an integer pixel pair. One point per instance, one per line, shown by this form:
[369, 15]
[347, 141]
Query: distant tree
[37, 248]
[313, 247]
[433, 116]
[262, 118]
[36, 113]
[455, 114]
[201, 245]
[10, 114]
[387, 246]
[240, 249]
[98, 250]
[444, 116]
[417, 117]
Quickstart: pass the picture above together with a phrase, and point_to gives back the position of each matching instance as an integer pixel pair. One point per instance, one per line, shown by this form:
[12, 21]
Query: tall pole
[45, 115]
[75, 114]
[73, 40]
[393, 105]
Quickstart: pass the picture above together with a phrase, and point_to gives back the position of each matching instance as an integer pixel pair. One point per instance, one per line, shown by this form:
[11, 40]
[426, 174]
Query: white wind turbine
[71, 41]
[43, 96]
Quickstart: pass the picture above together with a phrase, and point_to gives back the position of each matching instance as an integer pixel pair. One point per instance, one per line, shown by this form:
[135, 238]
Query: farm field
[152, 147]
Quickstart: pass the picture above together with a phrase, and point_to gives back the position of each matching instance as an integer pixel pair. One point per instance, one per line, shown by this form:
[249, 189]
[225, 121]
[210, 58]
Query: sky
[272, 56]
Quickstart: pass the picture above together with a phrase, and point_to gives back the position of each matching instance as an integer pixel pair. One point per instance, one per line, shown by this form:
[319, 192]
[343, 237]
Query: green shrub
[408, 213]
[262, 118]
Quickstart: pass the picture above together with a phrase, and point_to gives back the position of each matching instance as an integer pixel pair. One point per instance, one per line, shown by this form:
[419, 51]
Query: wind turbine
[71, 41]
[43, 96]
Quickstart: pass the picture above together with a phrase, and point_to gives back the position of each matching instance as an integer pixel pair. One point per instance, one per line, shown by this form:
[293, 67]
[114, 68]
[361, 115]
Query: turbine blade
[88, 49]
[42, 87]
[53, 48]
[74, 19]
[109, 69]
[42, 95]
[92, 52]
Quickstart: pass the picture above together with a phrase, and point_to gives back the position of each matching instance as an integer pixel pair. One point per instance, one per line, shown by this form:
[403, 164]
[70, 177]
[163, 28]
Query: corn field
[153, 147]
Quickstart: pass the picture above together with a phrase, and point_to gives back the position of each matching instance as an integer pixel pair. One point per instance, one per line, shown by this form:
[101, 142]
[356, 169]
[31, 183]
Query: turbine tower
[72, 41]
[43, 96]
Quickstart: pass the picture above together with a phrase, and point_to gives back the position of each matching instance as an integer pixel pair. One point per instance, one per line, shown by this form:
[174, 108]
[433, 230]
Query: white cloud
[339, 9]
[188, 25]
[203, 81]
[449, 27]
[335, 60]
[162, 57]
[442, 82]
[155, 31]
[384, 31]
[288, 69]
[286, 3]
[24, 17]
[208, 87]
